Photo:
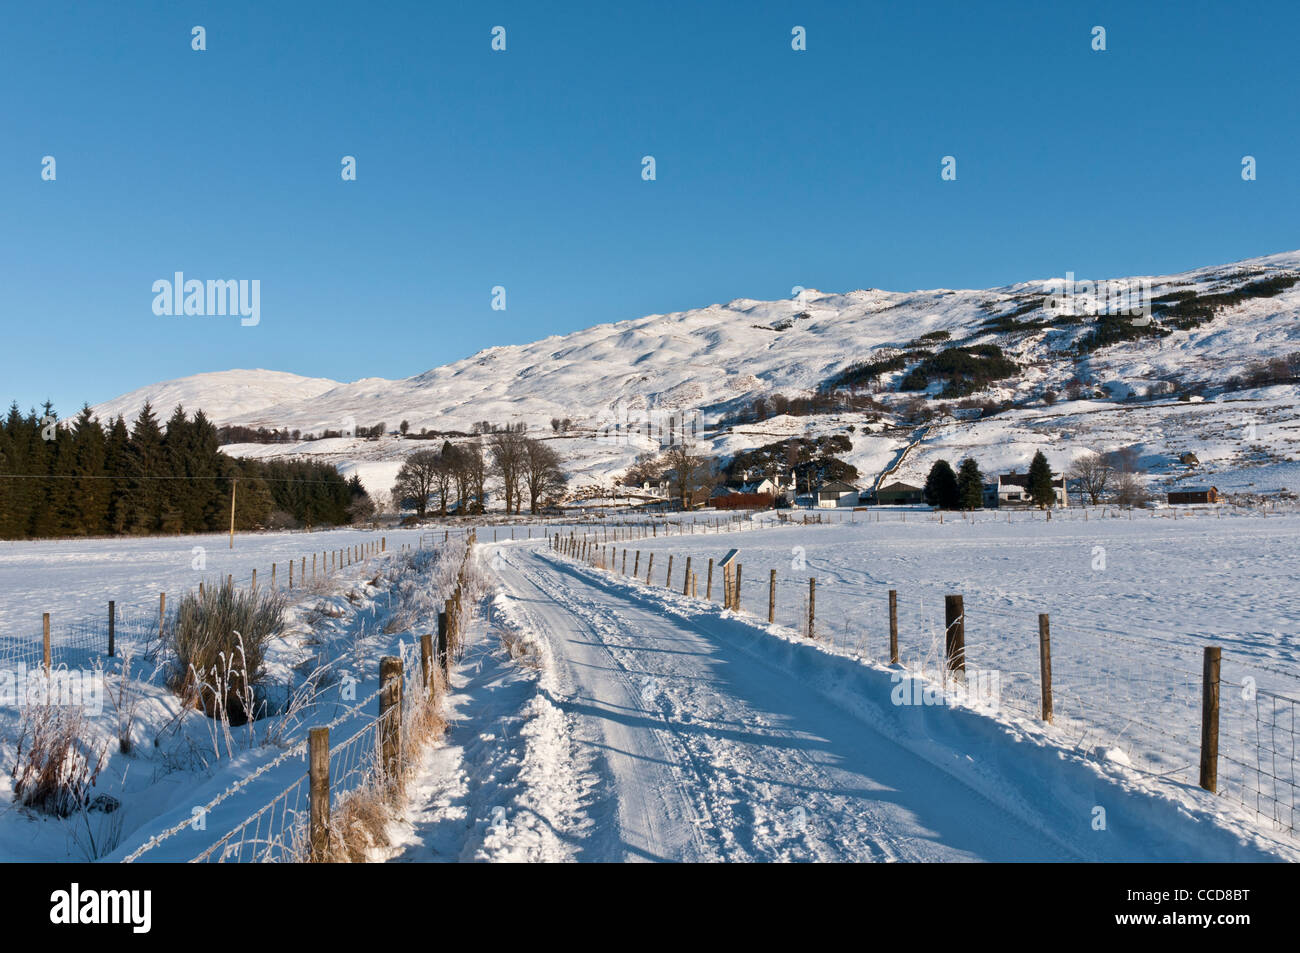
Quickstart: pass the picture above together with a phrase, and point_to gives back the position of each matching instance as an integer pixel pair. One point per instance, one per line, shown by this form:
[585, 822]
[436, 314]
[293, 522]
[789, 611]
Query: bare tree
[417, 479]
[508, 451]
[646, 467]
[473, 467]
[1130, 490]
[442, 480]
[1093, 471]
[542, 473]
[688, 471]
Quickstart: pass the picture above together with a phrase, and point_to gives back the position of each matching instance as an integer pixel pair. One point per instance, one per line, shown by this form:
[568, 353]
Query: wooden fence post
[1045, 663]
[812, 606]
[112, 625]
[955, 634]
[272, 575]
[1210, 719]
[668, 578]
[735, 592]
[771, 597]
[624, 571]
[291, 574]
[893, 626]
[650, 568]
[686, 580]
[318, 773]
[390, 714]
[45, 641]
[426, 662]
[162, 612]
[708, 586]
[442, 640]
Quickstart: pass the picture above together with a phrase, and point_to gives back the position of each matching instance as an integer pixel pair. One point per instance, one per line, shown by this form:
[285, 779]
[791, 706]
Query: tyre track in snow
[664, 821]
[767, 769]
[710, 769]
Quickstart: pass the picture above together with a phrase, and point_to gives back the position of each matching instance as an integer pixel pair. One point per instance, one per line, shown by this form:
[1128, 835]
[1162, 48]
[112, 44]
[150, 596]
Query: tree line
[84, 478]
[527, 471]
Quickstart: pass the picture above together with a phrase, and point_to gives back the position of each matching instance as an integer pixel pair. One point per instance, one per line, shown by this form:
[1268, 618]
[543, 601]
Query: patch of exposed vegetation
[966, 370]
[1185, 310]
[864, 373]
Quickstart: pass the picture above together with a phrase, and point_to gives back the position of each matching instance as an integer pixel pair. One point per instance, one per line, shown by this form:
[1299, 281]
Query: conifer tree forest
[87, 478]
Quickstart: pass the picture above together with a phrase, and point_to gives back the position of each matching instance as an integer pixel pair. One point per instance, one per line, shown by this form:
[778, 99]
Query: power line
[61, 476]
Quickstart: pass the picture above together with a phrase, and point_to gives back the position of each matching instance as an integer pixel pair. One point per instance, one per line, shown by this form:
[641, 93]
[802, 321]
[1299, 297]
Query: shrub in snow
[219, 642]
[54, 768]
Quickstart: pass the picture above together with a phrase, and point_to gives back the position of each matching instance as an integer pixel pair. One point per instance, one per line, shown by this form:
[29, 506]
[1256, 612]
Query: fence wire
[81, 643]
[277, 832]
[1135, 701]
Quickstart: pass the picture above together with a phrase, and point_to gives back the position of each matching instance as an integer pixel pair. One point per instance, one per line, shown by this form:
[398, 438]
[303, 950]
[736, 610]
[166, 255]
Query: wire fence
[1135, 701]
[81, 643]
[278, 831]
[137, 630]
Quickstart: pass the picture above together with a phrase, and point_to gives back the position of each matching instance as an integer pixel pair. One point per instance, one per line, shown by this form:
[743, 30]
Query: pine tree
[970, 485]
[86, 510]
[42, 460]
[117, 466]
[1041, 490]
[210, 504]
[13, 488]
[941, 486]
[149, 464]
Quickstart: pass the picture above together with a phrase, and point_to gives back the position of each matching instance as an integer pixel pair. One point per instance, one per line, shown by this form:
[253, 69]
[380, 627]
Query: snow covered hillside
[1208, 326]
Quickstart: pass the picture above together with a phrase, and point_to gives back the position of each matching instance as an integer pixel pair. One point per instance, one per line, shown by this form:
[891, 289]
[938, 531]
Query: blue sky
[523, 169]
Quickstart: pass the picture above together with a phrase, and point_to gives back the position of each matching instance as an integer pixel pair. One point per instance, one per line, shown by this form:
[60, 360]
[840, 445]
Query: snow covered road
[699, 741]
[711, 754]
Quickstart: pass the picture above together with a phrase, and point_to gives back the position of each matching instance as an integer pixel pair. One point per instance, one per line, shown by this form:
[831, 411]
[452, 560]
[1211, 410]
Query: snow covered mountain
[1207, 326]
[224, 396]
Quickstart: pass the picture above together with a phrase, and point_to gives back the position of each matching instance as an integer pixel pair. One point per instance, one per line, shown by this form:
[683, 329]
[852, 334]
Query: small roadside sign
[728, 559]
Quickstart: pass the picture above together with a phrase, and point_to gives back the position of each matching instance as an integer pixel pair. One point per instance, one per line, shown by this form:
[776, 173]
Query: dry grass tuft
[54, 769]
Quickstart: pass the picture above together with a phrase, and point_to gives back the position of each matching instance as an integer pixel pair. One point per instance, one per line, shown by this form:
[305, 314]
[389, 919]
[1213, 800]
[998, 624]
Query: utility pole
[232, 512]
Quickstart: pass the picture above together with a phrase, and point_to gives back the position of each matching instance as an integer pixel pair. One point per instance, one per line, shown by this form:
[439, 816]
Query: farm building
[1013, 489]
[899, 493]
[836, 493]
[1194, 494]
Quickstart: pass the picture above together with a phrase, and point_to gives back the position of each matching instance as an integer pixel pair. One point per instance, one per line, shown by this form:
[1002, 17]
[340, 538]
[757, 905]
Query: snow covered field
[74, 579]
[595, 717]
